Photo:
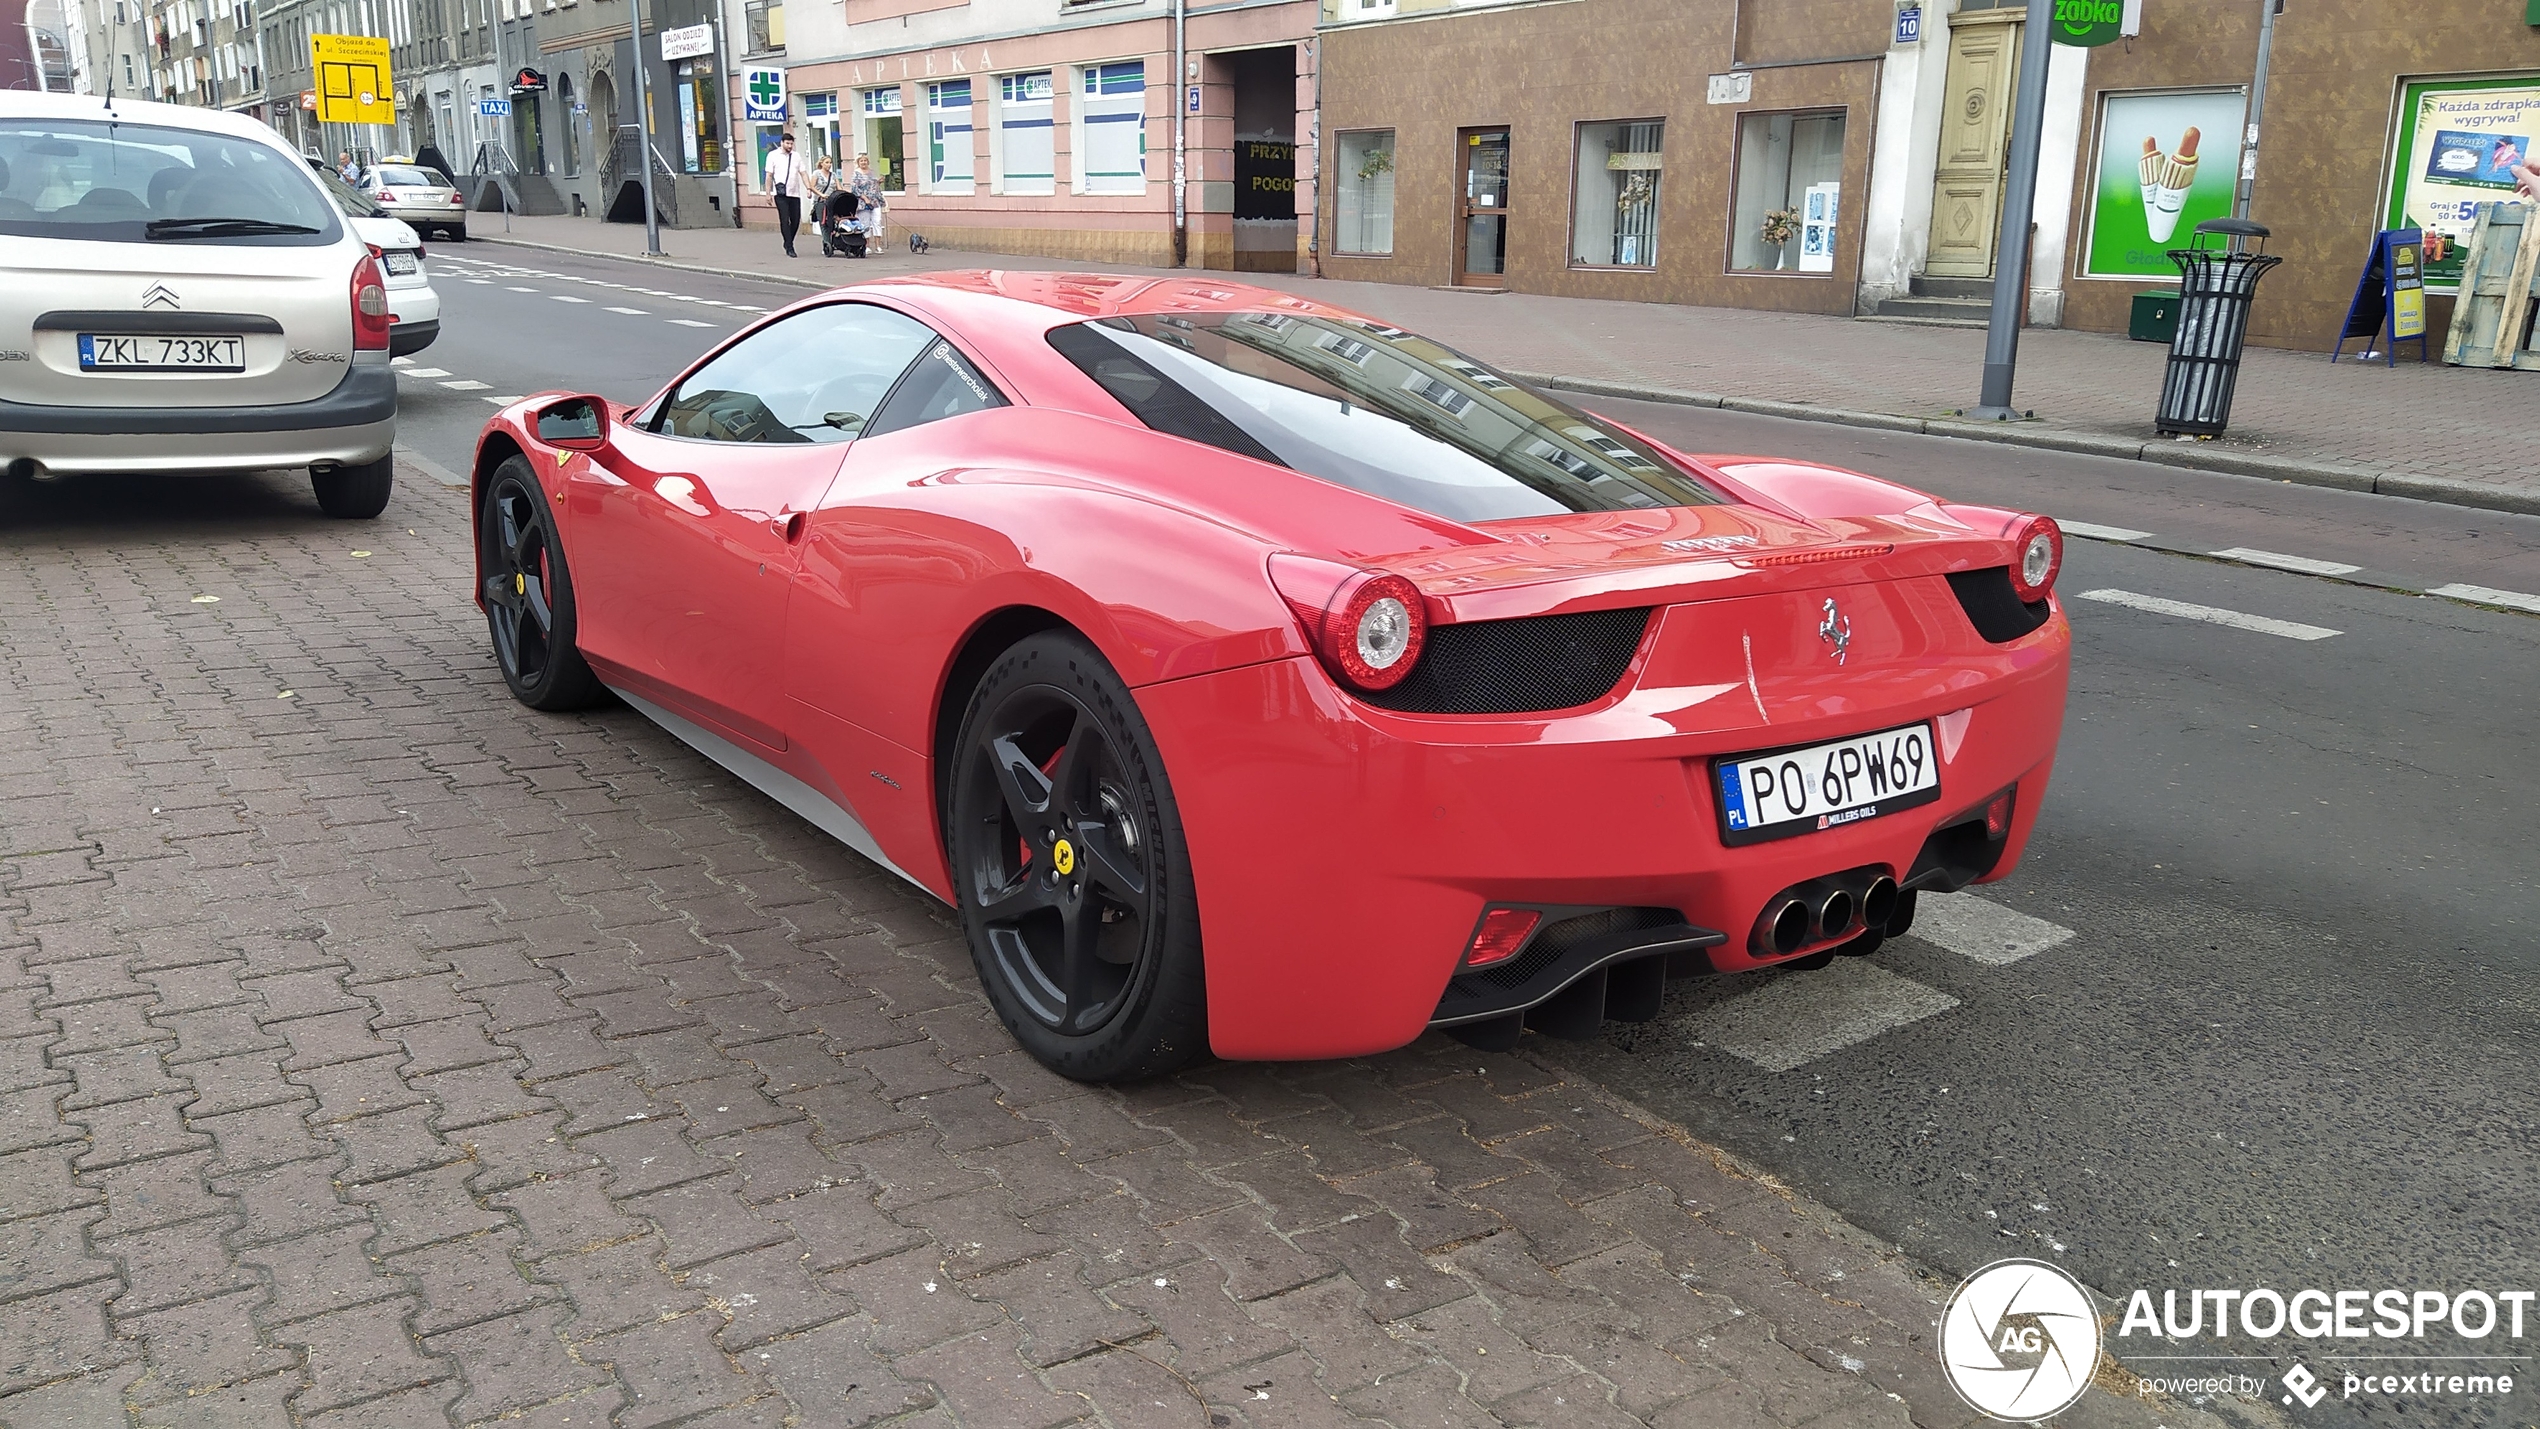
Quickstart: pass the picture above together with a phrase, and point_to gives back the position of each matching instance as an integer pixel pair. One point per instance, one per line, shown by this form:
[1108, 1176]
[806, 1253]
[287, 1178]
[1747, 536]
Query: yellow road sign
[353, 83]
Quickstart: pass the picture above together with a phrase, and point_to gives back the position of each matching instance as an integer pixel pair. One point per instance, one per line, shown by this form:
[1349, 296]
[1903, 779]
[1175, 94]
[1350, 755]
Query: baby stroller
[839, 231]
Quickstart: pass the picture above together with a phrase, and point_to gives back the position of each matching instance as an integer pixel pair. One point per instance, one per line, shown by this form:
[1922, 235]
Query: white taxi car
[183, 295]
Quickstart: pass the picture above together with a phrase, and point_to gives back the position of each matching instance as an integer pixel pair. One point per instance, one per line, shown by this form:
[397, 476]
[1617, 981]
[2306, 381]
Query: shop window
[1025, 152]
[1365, 218]
[1614, 218]
[881, 137]
[1788, 165]
[1111, 133]
[948, 144]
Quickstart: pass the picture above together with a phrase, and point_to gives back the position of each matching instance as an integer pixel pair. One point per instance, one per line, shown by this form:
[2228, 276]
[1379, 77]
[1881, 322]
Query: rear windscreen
[1373, 408]
[396, 177]
[101, 180]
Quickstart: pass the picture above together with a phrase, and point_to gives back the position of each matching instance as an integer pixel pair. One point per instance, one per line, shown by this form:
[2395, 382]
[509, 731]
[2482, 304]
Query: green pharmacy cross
[766, 90]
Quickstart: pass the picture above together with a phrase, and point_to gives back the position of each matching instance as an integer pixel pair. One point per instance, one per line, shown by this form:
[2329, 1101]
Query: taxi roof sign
[354, 85]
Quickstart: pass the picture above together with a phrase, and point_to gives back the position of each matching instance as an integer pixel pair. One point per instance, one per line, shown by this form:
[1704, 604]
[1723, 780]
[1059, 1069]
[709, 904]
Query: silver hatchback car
[183, 296]
[427, 202]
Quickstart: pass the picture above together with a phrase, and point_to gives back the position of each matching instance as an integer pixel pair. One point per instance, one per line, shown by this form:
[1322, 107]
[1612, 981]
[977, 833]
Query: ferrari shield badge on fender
[1836, 631]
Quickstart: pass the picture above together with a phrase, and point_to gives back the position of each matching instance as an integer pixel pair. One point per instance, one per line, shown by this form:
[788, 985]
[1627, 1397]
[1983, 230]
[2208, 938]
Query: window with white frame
[879, 136]
[1366, 10]
[1614, 210]
[949, 166]
[1364, 221]
[1025, 151]
[1111, 129]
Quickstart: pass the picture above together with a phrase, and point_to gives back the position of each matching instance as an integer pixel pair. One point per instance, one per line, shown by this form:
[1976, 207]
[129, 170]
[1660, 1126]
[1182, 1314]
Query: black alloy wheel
[529, 607]
[1068, 856]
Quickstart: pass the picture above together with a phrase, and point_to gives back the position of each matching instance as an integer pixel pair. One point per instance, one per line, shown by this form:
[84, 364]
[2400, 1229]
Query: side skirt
[824, 812]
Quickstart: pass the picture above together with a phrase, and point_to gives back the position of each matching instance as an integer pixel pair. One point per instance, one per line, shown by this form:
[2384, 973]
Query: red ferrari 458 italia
[1259, 678]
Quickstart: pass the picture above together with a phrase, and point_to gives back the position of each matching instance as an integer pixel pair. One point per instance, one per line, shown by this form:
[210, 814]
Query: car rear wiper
[219, 227]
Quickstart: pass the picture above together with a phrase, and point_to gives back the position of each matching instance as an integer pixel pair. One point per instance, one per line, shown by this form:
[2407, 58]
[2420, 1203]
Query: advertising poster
[2457, 144]
[2166, 164]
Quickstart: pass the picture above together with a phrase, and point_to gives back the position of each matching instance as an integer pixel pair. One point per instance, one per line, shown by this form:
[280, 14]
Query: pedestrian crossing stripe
[1792, 1018]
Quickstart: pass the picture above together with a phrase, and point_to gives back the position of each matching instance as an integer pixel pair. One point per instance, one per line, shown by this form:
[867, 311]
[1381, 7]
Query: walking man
[785, 183]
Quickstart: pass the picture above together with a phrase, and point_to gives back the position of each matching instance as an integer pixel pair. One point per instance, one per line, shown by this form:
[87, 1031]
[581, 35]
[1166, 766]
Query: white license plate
[1820, 786]
[401, 262]
[152, 352]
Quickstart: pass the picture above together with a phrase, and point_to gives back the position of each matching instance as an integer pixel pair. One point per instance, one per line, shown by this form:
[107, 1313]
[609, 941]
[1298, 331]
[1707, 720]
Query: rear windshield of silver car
[397, 176]
[1373, 408]
[100, 180]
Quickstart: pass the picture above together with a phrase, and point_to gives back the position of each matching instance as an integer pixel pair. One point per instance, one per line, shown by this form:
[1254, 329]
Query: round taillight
[1368, 626]
[2037, 557]
[1376, 630]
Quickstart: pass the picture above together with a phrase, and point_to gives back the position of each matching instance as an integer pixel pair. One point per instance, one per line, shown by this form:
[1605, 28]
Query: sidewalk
[2463, 435]
[375, 1052]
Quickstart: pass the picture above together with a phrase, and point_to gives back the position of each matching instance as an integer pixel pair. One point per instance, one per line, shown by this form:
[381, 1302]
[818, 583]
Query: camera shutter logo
[2019, 1340]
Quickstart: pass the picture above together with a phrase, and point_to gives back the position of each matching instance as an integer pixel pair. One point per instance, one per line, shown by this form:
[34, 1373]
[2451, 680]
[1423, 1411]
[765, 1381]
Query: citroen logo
[1836, 631]
[158, 297]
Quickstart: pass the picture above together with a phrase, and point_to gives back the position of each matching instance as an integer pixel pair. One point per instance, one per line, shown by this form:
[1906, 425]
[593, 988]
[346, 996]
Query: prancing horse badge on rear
[1836, 631]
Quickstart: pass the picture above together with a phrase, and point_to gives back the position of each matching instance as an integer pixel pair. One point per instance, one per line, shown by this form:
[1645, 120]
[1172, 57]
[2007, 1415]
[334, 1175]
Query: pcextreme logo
[2019, 1340]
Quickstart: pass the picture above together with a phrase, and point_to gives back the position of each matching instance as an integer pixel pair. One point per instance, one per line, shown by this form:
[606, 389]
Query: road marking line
[2153, 604]
[1982, 929]
[482, 282]
[2307, 565]
[1799, 1017]
[567, 298]
[401, 362]
[502, 401]
[464, 385]
[632, 312]
[689, 322]
[2099, 533]
[2484, 595]
[424, 372]
[520, 290]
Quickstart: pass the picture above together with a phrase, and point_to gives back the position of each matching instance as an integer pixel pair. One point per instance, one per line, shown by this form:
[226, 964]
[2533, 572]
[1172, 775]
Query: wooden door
[1975, 132]
[1481, 208]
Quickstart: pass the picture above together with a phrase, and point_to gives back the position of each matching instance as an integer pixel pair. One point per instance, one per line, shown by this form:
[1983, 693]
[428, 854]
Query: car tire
[355, 493]
[458, 235]
[527, 591]
[1070, 868]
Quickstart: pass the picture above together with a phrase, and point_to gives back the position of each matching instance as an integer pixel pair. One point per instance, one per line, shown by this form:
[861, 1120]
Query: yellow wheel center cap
[1063, 857]
[520, 585]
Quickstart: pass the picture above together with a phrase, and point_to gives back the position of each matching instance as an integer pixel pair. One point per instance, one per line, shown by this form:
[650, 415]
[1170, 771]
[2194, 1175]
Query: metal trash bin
[2216, 286]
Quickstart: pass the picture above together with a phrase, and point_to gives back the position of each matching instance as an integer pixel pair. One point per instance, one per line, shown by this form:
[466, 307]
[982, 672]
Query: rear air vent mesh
[1524, 666]
[1998, 615]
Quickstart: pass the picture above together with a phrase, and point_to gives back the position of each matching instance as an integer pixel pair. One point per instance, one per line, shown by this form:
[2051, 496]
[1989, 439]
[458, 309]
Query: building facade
[1048, 126]
[1849, 156]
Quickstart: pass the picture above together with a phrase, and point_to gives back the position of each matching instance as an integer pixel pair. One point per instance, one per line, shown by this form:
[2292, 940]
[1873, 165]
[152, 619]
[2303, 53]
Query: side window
[942, 384]
[814, 377]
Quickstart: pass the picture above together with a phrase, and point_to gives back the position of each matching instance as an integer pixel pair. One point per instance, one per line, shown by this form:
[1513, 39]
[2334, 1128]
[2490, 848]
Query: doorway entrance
[1481, 208]
[1975, 133]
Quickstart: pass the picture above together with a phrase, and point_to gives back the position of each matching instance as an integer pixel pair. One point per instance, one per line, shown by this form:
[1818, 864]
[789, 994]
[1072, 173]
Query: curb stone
[2194, 456]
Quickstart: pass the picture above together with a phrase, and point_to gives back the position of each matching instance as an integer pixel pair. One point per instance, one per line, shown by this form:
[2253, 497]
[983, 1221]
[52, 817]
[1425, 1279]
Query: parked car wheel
[355, 493]
[529, 606]
[1073, 876]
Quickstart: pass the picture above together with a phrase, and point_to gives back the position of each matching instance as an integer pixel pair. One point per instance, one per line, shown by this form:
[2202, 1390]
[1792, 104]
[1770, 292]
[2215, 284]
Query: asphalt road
[2289, 1040]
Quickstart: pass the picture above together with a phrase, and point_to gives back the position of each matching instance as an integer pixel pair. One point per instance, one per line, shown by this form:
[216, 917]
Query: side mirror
[576, 424]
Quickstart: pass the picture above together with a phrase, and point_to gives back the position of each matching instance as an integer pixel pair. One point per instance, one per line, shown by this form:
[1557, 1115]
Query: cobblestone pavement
[2455, 423]
[375, 1051]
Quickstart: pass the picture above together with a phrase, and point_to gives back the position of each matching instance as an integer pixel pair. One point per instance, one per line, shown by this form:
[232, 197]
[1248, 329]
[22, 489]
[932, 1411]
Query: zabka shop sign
[2087, 23]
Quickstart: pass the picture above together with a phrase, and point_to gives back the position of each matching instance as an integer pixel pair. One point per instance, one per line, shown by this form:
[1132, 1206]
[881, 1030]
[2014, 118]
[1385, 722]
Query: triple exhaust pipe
[1823, 910]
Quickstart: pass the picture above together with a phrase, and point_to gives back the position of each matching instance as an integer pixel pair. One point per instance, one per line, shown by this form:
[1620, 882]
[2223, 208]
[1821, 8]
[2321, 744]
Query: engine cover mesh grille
[1523, 666]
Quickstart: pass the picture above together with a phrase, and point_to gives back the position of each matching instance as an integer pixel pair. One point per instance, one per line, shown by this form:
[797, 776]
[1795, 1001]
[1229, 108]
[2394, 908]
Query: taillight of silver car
[371, 321]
